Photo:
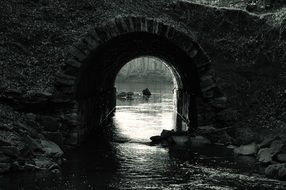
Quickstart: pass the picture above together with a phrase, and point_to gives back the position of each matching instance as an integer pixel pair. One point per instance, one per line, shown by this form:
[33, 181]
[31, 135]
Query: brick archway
[87, 78]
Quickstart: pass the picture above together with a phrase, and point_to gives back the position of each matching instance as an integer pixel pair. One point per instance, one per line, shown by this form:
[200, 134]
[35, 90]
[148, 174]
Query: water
[126, 161]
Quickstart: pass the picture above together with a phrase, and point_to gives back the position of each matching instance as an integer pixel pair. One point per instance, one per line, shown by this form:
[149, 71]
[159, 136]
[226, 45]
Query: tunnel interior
[95, 89]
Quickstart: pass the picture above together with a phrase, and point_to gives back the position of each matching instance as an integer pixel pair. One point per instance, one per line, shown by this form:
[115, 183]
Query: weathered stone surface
[277, 171]
[51, 149]
[265, 155]
[250, 149]
[43, 162]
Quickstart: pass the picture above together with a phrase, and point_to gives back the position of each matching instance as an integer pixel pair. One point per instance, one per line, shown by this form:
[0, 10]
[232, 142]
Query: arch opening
[138, 116]
[96, 93]
[88, 76]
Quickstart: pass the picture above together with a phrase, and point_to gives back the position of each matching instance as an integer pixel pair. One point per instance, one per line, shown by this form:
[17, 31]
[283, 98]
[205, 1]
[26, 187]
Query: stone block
[276, 171]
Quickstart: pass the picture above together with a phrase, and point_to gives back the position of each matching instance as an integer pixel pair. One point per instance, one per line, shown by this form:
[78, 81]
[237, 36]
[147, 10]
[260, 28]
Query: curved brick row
[97, 36]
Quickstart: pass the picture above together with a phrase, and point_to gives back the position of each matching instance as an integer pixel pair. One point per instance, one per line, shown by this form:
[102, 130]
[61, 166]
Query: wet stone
[51, 149]
[249, 149]
[265, 155]
[276, 171]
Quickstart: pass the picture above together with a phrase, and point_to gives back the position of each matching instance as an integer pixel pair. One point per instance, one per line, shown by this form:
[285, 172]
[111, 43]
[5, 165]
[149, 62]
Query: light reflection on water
[141, 118]
[133, 164]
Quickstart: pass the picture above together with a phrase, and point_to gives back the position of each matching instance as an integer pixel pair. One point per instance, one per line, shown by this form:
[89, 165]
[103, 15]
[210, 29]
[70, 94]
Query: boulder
[130, 95]
[156, 140]
[122, 95]
[250, 149]
[265, 155]
[146, 92]
[51, 149]
[167, 133]
[282, 173]
[43, 163]
[276, 171]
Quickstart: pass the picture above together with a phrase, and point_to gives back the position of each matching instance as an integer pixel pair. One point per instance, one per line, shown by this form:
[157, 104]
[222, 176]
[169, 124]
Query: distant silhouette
[146, 92]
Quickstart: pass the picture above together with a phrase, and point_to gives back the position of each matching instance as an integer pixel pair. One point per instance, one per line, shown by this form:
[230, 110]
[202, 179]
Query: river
[123, 159]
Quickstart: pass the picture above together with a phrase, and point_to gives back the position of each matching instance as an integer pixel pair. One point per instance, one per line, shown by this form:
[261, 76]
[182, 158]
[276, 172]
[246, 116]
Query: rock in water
[167, 133]
[265, 155]
[156, 140]
[249, 149]
[122, 95]
[276, 171]
[146, 92]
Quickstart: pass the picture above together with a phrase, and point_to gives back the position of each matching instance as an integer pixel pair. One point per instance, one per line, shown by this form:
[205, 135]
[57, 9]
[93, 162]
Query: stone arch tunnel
[88, 76]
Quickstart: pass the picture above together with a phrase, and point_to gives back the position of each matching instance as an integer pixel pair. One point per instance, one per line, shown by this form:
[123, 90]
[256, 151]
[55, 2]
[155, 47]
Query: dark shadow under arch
[87, 79]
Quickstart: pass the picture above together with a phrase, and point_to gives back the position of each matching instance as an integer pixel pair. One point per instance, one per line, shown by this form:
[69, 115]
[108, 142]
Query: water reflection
[128, 162]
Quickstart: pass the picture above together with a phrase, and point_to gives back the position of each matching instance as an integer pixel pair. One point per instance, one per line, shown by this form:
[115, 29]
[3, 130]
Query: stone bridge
[88, 77]
[174, 31]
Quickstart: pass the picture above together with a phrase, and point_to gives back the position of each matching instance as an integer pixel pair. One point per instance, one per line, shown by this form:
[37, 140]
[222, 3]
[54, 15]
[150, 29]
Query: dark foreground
[124, 160]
